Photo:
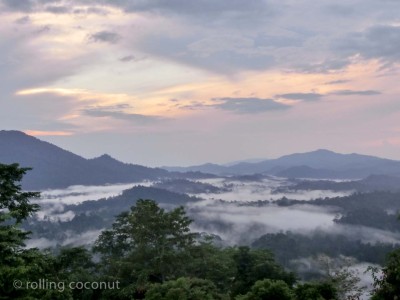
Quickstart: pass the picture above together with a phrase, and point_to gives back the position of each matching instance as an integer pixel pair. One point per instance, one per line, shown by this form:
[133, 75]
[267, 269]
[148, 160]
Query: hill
[315, 164]
[54, 167]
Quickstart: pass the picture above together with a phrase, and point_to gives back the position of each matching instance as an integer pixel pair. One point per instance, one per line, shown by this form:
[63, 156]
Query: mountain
[316, 164]
[205, 168]
[369, 184]
[54, 167]
[113, 206]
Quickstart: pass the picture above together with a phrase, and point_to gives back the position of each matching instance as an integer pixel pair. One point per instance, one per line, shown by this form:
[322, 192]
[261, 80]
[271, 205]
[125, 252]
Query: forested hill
[315, 164]
[54, 167]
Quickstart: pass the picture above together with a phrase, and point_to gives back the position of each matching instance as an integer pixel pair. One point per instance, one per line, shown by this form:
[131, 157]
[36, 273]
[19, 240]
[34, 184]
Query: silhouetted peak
[105, 157]
[13, 133]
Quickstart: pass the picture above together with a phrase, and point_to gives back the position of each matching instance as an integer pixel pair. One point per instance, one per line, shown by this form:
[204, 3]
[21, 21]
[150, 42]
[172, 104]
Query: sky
[183, 82]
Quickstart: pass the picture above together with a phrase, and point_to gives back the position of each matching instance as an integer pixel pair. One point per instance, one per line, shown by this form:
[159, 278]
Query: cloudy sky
[180, 82]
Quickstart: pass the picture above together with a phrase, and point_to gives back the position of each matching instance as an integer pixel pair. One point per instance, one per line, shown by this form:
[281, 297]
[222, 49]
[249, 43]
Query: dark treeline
[288, 246]
[150, 253]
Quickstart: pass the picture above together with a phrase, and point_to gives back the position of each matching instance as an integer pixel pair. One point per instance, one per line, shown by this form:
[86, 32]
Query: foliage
[268, 289]
[254, 265]
[147, 244]
[387, 286]
[184, 289]
[16, 262]
[288, 246]
[316, 291]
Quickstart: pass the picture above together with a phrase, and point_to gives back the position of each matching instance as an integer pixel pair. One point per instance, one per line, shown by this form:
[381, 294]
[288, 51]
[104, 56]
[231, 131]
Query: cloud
[27, 61]
[351, 93]
[57, 9]
[301, 96]
[117, 112]
[218, 53]
[380, 42]
[21, 5]
[248, 105]
[207, 8]
[105, 36]
[340, 81]
[127, 58]
[23, 20]
[47, 133]
[26, 5]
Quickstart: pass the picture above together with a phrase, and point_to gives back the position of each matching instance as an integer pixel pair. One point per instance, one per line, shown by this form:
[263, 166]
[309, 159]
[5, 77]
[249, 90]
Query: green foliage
[31, 265]
[316, 291]
[14, 208]
[213, 263]
[254, 265]
[268, 289]
[147, 244]
[12, 199]
[387, 286]
[288, 246]
[184, 289]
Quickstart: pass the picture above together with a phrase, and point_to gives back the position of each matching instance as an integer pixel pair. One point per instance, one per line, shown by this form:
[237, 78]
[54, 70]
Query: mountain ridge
[321, 163]
[54, 167]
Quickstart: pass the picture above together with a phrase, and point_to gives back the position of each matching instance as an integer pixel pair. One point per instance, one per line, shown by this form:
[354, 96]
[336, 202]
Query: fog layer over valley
[259, 211]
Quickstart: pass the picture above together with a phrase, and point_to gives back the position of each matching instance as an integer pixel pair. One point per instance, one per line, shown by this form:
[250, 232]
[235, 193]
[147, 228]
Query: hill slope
[54, 167]
[316, 164]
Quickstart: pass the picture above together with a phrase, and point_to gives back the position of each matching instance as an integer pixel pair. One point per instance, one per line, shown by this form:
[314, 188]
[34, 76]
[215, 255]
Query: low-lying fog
[263, 190]
[52, 202]
[233, 213]
[246, 220]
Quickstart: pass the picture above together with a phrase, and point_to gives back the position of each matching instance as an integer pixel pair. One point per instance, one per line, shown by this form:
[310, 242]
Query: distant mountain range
[316, 164]
[54, 167]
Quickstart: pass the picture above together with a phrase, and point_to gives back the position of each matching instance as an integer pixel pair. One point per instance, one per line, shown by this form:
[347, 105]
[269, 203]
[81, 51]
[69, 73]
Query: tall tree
[14, 208]
[146, 245]
[18, 265]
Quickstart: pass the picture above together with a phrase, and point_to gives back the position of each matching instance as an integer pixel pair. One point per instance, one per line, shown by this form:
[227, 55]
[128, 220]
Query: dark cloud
[26, 5]
[198, 7]
[58, 9]
[340, 81]
[224, 54]
[127, 58]
[42, 29]
[248, 105]
[377, 42]
[351, 93]
[301, 96]
[105, 36]
[328, 65]
[117, 112]
[23, 20]
[102, 11]
[20, 5]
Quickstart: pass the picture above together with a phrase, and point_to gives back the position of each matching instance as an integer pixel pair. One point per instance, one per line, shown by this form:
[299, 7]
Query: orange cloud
[47, 133]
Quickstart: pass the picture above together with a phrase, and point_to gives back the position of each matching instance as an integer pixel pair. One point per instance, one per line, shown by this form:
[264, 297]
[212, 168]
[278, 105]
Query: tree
[387, 286]
[16, 262]
[184, 289]
[146, 245]
[324, 290]
[268, 289]
[256, 264]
